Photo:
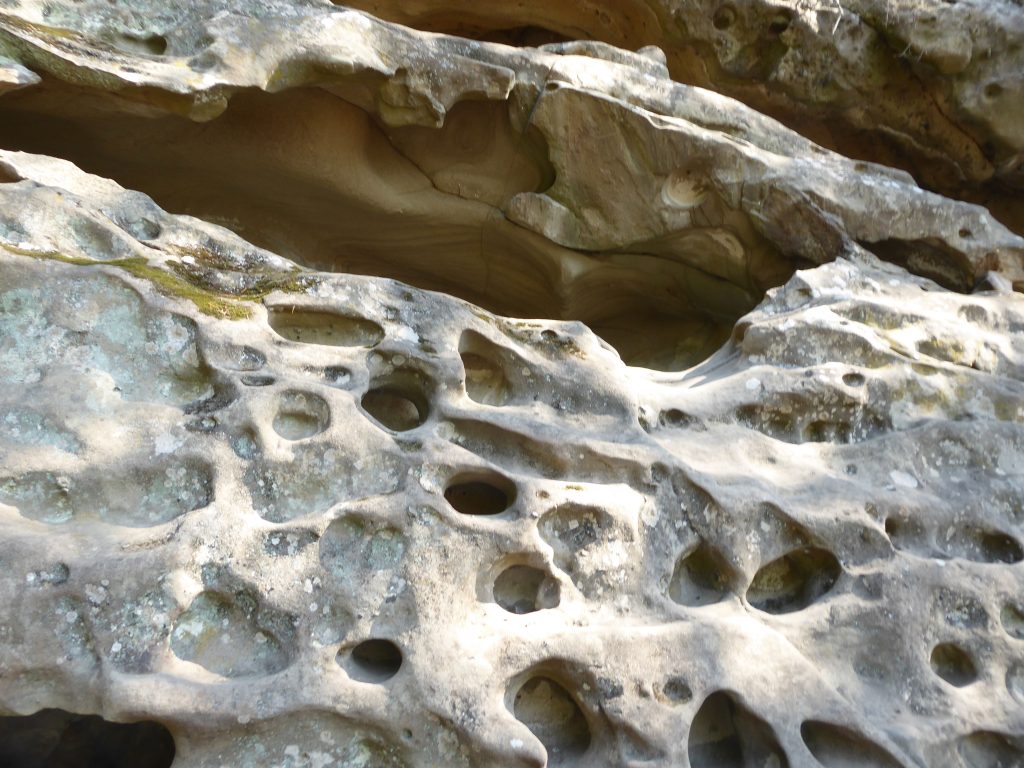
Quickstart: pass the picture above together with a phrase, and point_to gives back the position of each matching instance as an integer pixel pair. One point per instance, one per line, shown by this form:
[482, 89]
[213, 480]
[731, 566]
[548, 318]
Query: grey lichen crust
[308, 518]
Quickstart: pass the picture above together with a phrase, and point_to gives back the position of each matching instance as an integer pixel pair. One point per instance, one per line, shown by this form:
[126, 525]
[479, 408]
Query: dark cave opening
[335, 191]
[54, 738]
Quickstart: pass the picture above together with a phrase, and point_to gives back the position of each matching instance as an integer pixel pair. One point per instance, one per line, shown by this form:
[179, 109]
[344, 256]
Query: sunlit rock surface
[377, 397]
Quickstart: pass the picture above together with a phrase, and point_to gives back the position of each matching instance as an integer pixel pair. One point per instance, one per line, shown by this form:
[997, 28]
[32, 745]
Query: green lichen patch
[212, 291]
[250, 284]
[174, 286]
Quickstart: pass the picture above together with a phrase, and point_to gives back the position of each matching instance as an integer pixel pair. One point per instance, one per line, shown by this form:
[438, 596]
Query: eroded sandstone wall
[598, 384]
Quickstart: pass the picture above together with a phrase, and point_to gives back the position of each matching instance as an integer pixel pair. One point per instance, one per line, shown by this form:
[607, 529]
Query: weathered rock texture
[495, 405]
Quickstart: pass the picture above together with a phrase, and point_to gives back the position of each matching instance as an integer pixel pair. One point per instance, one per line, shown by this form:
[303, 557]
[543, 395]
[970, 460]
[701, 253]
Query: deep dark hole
[931, 258]
[724, 17]
[779, 23]
[853, 379]
[53, 738]
[1000, 548]
[374, 661]
[523, 37]
[477, 498]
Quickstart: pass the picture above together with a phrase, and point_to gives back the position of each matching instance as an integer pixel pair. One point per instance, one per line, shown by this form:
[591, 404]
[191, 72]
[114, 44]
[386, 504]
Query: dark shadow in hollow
[374, 661]
[313, 178]
[53, 738]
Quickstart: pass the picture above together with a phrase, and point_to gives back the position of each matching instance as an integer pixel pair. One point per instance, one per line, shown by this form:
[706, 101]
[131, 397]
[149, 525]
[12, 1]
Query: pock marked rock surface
[704, 447]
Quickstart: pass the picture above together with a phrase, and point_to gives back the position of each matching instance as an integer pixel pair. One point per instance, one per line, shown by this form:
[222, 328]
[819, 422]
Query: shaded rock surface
[377, 397]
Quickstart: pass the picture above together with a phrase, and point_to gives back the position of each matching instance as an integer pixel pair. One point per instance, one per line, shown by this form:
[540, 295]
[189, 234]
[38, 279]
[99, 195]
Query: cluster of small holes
[791, 582]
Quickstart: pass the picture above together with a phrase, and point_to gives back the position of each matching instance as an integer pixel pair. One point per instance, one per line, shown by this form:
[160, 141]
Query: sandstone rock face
[471, 385]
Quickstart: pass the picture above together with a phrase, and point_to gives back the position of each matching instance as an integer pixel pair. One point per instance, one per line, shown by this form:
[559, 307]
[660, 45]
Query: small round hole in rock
[1012, 619]
[393, 409]
[794, 581]
[374, 661]
[301, 415]
[677, 690]
[675, 418]
[523, 589]
[489, 495]
[952, 664]
[701, 577]
[724, 17]
[853, 379]
[779, 23]
[553, 716]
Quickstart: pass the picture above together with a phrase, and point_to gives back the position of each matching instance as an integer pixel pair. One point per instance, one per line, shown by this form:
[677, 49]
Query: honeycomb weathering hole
[983, 546]
[987, 749]
[1012, 618]
[53, 738]
[953, 664]
[374, 661]
[836, 747]
[301, 415]
[485, 381]
[352, 545]
[725, 734]
[523, 589]
[701, 577]
[310, 326]
[136, 496]
[794, 581]
[487, 366]
[677, 690]
[571, 528]
[231, 635]
[395, 409]
[489, 494]
[553, 716]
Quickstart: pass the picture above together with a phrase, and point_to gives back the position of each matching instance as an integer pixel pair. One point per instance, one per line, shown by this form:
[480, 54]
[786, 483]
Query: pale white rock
[497, 405]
